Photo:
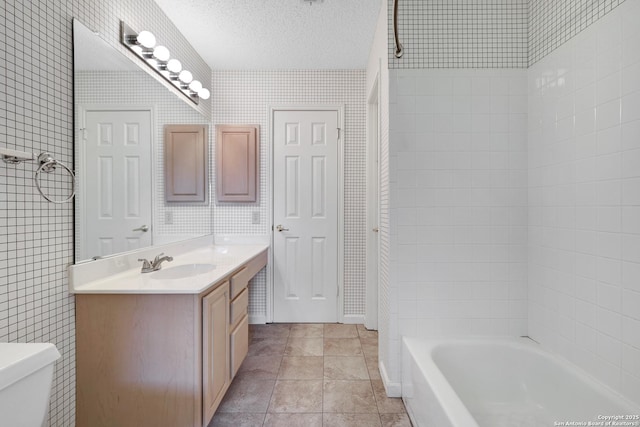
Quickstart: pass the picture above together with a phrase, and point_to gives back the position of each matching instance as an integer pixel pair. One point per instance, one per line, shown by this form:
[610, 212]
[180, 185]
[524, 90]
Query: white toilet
[26, 372]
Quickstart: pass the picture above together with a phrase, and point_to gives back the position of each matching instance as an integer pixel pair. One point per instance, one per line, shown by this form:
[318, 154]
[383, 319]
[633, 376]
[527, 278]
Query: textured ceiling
[277, 34]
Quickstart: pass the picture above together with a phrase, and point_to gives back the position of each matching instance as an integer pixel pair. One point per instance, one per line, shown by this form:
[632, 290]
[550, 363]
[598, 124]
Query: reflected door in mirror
[117, 182]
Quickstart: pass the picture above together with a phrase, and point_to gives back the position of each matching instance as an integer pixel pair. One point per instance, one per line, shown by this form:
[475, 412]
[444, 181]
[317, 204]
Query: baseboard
[259, 319]
[353, 319]
[392, 389]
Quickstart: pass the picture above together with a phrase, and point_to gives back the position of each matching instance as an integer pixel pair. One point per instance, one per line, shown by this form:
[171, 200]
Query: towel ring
[47, 165]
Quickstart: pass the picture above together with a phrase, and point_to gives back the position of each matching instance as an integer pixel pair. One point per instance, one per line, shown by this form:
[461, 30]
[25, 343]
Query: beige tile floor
[310, 375]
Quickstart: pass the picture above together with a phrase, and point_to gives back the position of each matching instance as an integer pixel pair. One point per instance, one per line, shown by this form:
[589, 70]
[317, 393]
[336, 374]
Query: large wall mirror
[120, 114]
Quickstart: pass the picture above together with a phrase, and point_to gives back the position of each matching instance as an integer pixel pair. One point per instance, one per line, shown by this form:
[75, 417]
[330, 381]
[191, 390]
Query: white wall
[378, 65]
[584, 200]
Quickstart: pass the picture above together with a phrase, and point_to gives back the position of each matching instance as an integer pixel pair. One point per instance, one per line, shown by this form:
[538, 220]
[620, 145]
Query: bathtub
[503, 382]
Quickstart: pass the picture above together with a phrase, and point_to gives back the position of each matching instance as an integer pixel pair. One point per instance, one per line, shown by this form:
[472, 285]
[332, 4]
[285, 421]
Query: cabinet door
[215, 357]
[236, 163]
[186, 160]
[239, 344]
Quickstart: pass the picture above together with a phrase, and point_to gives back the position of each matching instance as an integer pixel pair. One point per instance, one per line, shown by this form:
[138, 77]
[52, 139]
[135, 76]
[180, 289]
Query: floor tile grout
[267, 334]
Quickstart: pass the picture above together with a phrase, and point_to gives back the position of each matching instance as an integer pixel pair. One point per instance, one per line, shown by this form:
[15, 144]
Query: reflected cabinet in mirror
[120, 115]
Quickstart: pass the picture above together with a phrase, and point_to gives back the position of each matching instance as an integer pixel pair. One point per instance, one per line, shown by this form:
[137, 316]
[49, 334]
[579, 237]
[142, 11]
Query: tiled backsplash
[36, 114]
[584, 200]
[245, 97]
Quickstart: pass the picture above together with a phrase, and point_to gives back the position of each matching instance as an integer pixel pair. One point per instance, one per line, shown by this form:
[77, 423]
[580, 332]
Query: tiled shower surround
[460, 33]
[552, 23]
[584, 200]
[578, 286]
[458, 185]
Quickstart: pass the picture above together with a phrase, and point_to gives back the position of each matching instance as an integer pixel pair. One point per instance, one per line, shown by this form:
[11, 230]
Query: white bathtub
[502, 382]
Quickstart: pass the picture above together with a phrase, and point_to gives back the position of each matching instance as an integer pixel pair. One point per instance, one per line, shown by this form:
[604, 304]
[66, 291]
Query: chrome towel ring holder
[47, 163]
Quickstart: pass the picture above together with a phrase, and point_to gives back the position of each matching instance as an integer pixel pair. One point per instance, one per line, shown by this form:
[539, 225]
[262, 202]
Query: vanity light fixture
[143, 44]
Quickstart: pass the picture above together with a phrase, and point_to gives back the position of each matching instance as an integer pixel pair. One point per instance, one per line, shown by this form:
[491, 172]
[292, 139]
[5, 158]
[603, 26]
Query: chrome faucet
[155, 265]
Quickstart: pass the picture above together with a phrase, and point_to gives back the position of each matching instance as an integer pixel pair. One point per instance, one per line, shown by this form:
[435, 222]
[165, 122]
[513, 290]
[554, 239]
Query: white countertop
[121, 274]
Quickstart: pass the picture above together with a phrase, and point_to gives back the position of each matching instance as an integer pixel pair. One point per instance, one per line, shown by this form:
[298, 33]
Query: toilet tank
[26, 372]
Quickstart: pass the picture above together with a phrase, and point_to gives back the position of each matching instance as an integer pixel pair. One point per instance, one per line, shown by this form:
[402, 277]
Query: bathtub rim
[449, 400]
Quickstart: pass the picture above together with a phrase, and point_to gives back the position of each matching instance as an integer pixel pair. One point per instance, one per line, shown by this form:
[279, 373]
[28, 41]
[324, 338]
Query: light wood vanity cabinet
[160, 359]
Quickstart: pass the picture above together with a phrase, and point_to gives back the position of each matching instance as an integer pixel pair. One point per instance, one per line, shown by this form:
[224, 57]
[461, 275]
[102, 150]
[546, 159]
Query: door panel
[306, 207]
[118, 196]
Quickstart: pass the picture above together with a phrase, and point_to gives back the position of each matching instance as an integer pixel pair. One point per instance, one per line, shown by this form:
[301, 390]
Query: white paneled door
[305, 209]
[117, 184]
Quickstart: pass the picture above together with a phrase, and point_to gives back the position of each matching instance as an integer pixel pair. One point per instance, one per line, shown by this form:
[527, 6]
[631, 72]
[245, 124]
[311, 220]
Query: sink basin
[182, 271]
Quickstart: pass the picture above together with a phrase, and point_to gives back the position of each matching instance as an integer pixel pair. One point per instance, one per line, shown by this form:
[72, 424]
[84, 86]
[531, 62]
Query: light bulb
[204, 93]
[185, 76]
[146, 39]
[195, 86]
[161, 53]
[174, 66]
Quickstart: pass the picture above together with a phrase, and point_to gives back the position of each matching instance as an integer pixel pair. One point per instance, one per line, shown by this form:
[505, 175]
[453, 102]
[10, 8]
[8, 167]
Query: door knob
[143, 228]
[375, 230]
[280, 228]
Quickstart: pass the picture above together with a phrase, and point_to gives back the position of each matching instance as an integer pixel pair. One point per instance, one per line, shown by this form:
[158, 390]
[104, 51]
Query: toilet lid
[18, 360]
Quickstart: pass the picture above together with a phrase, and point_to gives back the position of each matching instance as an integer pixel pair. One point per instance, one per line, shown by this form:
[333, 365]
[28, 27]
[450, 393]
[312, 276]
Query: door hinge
[337, 291]
[339, 132]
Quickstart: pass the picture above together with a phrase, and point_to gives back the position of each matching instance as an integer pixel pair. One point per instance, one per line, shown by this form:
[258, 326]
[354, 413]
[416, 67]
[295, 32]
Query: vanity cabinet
[160, 359]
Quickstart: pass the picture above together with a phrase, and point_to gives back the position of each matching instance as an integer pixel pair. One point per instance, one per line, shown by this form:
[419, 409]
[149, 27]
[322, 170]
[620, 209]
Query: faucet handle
[146, 264]
[157, 257]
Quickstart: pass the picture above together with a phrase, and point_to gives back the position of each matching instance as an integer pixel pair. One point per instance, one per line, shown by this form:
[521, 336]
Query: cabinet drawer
[257, 264]
[239, 281]
[239, 344]
[239, 307]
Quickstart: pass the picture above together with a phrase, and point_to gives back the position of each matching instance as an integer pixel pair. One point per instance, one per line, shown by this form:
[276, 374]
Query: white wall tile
[602, 193]
[469, 211]
[36, 114]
